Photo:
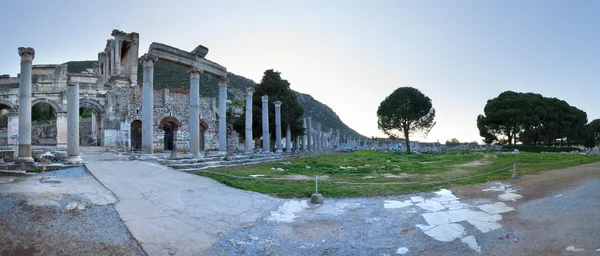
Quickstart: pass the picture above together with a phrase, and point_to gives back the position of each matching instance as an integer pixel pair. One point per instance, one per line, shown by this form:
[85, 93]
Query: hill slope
[167, 75]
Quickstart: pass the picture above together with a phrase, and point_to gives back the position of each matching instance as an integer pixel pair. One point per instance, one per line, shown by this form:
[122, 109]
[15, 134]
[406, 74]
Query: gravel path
[34, 219]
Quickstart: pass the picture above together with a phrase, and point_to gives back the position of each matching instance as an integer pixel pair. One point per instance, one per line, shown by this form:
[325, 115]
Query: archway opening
[170, 130]
[136, 135]
[203, 129]
[90, 130]
[169, 126]
[43, 124]
[4, 110]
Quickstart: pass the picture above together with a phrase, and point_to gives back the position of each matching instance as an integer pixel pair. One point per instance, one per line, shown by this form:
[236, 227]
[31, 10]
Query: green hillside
[167, 75]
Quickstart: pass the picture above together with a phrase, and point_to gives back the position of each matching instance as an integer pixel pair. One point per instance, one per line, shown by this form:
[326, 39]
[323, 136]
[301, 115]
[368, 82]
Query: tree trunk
[509, 138]
[407, 140]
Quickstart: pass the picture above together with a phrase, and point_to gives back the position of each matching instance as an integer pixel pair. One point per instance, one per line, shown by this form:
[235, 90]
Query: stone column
[304, 137]
[319, 139]
[148, 105]
[73, 123]
[309, 141]
[288, 139]
[24, 154]
[265, 123]
[194, 111]
[62, 128]
[297, 143]
[337, 138]
[278, 147]
[222, 115]
[249, 144]
[330, 138]
[117, 56]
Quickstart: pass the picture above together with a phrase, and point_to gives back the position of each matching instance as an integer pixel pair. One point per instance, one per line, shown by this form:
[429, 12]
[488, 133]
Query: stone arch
[203, 129]
[8, 104]
[54, 105]
[167, 120]
[89, 103]
[136, 135]
[169, 125]
[91, 129]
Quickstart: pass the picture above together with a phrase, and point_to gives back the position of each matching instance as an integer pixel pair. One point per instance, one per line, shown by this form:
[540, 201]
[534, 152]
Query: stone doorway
[169, 126]
[169, 139]
[203, 128]
[90, 123]
[43, 124]
[4, 110]
[136, 135]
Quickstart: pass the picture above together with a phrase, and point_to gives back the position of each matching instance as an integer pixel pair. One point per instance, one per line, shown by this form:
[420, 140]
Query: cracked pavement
[173, 212]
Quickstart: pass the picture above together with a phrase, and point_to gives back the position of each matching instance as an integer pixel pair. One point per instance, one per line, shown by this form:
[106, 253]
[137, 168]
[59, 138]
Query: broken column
[194, 111]
[73, 123]
[147, 105]
[24, 154]
[309, 134]
[265, 123]
[278, 148]
[249, 144]
[222, 114]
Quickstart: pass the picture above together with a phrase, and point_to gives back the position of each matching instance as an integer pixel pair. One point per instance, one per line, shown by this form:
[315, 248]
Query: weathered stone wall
[43, 134]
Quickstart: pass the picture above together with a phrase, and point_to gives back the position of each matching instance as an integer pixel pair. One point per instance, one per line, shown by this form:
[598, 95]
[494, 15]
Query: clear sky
[347, 54]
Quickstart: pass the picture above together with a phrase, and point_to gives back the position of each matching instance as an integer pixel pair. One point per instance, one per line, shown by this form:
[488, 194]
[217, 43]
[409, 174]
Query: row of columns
[194, 116]
[24, 147]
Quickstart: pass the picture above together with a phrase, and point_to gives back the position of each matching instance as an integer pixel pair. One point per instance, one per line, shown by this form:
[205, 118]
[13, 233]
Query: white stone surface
[288, 211]
[496, 208]
[444, 232]
[392, 204]
[509, 197]
[575, 249]
[402, 250]
[431, 205]
[487, 223]
[472, 243]
[445, 217]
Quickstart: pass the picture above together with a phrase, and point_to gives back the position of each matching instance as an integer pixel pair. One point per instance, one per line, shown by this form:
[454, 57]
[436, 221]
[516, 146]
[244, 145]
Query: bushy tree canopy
[531, 119]
[404, 112]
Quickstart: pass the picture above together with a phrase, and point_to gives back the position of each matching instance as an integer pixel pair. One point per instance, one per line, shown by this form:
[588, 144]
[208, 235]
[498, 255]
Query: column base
[74, 160]
[61, 145]
[278, 152]
[24, 160]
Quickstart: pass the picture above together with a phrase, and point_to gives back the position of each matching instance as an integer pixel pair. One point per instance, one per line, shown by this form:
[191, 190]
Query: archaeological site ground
[103, 158]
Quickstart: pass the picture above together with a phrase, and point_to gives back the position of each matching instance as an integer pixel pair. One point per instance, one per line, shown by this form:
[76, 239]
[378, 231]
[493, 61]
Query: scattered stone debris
[575, 249]
[307, 167]
[76, 205]
[402, 250]
[256, 175]
[50, 179]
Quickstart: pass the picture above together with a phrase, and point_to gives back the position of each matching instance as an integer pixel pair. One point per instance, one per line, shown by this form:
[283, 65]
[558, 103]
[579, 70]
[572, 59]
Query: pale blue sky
[347, 54]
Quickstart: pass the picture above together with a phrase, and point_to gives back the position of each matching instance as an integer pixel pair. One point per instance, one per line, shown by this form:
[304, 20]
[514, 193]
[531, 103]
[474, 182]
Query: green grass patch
[370, 173]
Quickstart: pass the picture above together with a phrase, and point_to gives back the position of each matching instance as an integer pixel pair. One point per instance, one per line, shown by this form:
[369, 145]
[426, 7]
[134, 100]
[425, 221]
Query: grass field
[370, 173]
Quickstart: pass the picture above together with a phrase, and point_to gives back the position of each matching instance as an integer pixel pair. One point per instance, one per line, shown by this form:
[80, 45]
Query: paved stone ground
[34, 219]
[170, 211]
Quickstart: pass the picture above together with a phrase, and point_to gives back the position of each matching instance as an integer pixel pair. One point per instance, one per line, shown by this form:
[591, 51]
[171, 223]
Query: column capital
[277, 104]
[27, 54]
[194, 73]
[249, 91]
[265, 99]
[148, 61]
[222, 81]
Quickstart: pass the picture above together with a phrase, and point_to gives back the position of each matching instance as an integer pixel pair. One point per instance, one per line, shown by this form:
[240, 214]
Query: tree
[452, 142]
[278, 90]
[404, 112]
[531, 119]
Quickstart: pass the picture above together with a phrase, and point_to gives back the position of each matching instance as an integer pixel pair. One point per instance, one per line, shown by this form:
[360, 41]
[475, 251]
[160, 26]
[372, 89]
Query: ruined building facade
[113, 92]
